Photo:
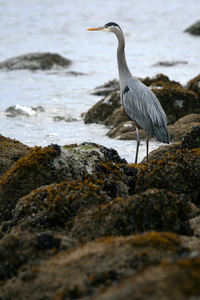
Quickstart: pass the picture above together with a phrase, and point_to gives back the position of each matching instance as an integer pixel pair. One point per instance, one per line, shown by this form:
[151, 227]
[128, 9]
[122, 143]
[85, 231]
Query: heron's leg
[138, 144]
[147, 145]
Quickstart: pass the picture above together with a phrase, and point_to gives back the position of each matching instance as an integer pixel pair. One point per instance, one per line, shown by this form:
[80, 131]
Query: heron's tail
[162, 134]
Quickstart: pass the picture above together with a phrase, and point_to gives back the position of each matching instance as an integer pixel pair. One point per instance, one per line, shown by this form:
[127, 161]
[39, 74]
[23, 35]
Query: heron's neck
[121, 59]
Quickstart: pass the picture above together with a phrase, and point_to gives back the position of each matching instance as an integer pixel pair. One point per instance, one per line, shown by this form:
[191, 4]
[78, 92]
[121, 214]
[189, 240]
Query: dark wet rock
[36, 61]
[10, 152]
[194, 29]
[192, 139]
[46, 241]
[98, 268]
[178, 172]
[170, 63]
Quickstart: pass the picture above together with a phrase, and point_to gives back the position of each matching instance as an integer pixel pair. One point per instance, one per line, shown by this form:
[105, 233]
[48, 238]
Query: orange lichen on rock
[178, 172]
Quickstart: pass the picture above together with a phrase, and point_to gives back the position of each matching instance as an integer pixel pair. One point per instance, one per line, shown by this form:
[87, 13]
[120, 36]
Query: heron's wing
[142, 106]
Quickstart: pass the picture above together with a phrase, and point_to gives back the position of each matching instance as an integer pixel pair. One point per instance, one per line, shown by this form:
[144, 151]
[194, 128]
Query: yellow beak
[93, 29]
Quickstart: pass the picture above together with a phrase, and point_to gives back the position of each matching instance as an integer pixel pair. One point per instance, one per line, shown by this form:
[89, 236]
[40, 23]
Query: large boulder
[36, 61]
[54, 164]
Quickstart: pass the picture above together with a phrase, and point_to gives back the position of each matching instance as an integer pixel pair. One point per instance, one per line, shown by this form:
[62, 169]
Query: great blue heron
[140, 103]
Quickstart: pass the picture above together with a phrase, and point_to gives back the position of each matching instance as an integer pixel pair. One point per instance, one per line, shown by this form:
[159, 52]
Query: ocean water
[44, 107]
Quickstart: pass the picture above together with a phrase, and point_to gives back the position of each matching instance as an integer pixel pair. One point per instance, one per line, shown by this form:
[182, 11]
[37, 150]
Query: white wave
[22, 110]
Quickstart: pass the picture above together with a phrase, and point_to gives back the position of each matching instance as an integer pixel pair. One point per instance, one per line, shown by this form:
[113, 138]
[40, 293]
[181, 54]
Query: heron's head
[109, 27]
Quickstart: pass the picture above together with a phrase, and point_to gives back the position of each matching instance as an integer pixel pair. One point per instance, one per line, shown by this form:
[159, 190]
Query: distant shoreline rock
[36, 61]
[194, 29]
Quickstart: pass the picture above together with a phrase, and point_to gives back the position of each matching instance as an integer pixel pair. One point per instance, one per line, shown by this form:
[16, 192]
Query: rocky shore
[79, 222]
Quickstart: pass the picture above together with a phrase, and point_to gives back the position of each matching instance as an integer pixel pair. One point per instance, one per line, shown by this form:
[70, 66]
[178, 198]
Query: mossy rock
[103, 108]
[95, 267]
[177, 102]
[44, 166]
[152, 210]
[178, 172]
[117, 117]
[160, 80]
[160, 152]
[55, 206]
[192, 139]
[10, 152]
[27, 173]
[178, 130]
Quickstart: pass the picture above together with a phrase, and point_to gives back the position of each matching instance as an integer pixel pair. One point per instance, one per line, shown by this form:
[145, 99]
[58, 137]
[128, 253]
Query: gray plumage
[139, 102]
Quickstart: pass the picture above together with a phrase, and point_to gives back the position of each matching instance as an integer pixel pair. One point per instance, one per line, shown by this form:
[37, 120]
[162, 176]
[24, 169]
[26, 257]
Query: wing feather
[143, 107]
